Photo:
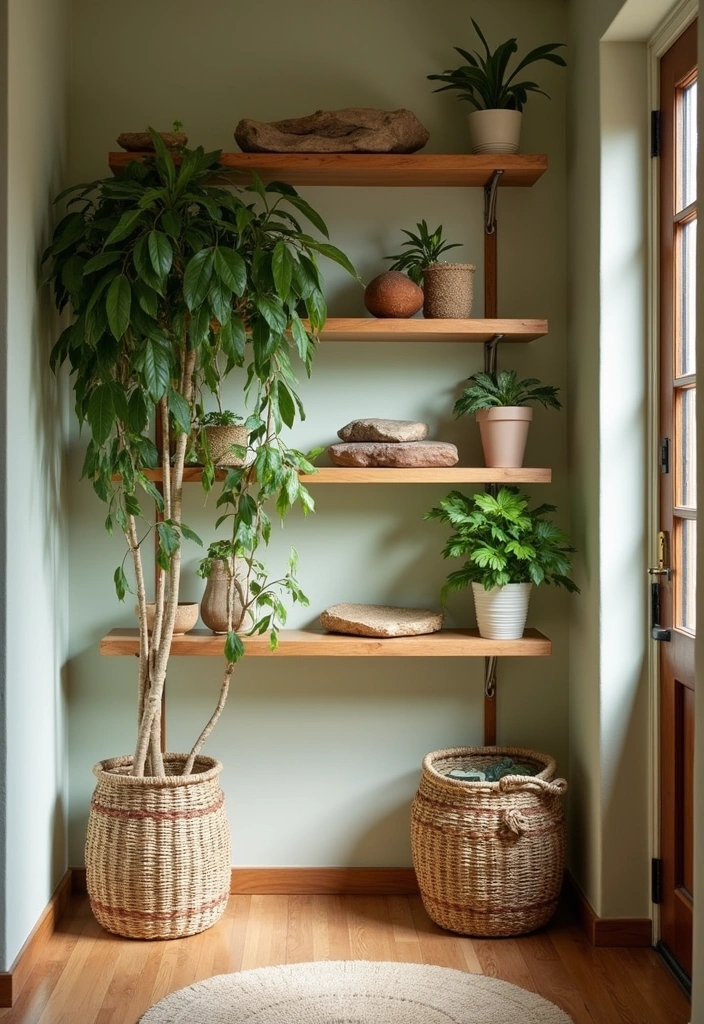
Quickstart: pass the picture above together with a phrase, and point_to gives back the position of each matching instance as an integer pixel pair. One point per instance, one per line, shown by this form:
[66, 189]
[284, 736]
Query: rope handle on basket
[514, 783]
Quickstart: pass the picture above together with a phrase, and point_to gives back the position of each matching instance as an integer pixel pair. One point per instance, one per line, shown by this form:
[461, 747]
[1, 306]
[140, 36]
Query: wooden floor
[90, 977]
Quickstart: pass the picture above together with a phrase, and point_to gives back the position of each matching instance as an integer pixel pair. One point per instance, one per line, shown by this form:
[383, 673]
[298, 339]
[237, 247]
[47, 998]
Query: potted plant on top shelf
[448, 288]
[500, 402]
[508, 548]
[169, 275]
[498, 99]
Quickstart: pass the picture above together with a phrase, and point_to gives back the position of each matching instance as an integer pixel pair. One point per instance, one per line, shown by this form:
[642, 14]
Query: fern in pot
[501, 404]
[172, 281]
[498, 97]
[448, 288]
[508, 548]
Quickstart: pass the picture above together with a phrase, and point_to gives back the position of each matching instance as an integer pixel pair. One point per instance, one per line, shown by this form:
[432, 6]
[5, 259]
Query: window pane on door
[685, 574]
[688, 166]
[686, 298]
[687, 449]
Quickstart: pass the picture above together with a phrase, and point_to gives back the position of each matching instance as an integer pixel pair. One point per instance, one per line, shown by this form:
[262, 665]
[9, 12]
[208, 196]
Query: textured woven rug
[353, 992]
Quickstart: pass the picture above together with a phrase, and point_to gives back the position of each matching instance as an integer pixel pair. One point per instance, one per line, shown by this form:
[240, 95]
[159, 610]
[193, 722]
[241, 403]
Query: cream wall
[322, 757]
[35, 613]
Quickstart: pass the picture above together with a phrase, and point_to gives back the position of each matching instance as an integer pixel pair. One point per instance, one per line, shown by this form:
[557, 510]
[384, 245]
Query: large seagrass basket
[158, 849]
[489, 856]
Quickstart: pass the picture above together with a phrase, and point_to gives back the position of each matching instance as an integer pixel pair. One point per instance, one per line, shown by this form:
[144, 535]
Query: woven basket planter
[489, 856]
[448, 290]
[220, 442]
[158, 850]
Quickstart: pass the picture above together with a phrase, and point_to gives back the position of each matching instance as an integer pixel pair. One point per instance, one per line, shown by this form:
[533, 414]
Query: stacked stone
[397, 444]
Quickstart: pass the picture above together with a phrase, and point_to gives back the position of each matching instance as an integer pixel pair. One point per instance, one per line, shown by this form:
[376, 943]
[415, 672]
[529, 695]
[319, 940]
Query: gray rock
[410, 455]
[393, 431]
[380, 620]
[350, 130]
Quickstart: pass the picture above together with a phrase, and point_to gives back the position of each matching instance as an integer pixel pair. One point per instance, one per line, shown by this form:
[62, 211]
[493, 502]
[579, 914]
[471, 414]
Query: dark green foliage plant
[220, 418]
[503, 541]
[491, 390]
[483, 80]
[423, 250]
[173, 279]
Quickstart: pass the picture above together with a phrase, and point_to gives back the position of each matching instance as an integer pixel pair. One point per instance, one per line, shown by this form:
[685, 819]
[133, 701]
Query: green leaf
[151, 490]
[72, 274]
[121, 584]
[312, 215]
[160, 252]
[171, 223]
[137, 411]
[124, 227]
[231, 269]
[143, 265]
[200, 326]
[147, 298]
[282, 268]
[154, 364]
[196, 279]
[234, 648]
[180, 410]
[68, 232]
[300, 336]
[272, 312]
[332, 253]
[169, 539]
[233, 340]
[101, 413]
[189, 534]
[118, 305]
[103, 259]
[286, 405]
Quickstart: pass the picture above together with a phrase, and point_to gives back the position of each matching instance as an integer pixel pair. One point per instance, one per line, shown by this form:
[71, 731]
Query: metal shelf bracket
[490, 678]
[490, 195]
[491, 348]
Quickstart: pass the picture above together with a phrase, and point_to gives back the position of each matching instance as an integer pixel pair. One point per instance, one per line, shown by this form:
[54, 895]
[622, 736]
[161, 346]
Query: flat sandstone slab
[408, 455]
[393, 431]
[380, 620]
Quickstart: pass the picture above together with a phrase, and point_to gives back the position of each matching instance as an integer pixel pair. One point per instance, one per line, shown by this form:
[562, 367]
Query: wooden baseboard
[607, 931]
[308, 881]
[11, 981]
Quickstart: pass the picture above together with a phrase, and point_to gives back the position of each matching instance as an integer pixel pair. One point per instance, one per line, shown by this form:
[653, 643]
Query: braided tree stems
[155, 650]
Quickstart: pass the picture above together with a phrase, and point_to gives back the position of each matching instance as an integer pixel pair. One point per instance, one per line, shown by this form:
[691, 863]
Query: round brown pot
[449, 290]
[393, 294]
[504, 433]
[158, 849]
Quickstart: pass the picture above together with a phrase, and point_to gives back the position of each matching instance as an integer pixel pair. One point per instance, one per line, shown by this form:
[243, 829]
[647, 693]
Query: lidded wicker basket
[489, 856]
[158, 849]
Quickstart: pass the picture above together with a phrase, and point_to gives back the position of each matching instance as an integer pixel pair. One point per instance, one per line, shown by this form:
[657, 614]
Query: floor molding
[11, 981]
[607, 931]
[307, 881]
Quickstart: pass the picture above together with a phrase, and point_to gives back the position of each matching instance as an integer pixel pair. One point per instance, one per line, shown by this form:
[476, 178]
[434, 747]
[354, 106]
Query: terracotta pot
[186, 616]
[448, 290]
[213, 608]
[504, 432]
[501, 611]
[393, 294]
[494, 131]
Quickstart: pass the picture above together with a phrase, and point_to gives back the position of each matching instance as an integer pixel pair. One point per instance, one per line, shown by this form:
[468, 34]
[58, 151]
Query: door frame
[676, 23]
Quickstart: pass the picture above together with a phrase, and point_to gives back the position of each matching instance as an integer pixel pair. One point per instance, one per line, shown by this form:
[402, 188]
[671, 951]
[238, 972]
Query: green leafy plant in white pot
[497, 95]
[501, 404]
[172, 280]
[508, 548]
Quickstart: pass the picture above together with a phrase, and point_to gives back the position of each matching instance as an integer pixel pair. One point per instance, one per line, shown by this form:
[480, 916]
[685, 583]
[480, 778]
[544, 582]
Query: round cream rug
[353, 992]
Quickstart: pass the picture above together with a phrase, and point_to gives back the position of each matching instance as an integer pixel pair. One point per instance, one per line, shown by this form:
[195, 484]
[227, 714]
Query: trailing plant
[173, 280]
[491, 390]
[483, 80]
[423, 250]
[503, 541]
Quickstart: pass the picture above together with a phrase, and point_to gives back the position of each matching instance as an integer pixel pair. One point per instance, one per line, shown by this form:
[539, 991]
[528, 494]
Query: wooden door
[674, 593]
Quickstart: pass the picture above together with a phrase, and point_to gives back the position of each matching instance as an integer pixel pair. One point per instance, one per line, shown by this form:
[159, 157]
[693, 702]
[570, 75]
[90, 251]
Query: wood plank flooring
[87, 976]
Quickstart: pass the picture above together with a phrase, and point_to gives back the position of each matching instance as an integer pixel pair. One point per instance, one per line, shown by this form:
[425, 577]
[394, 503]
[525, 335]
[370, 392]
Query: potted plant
[500, 403]
[448, 288]
[222, 437]
[169, 276]
[498, 98]
[507, 549]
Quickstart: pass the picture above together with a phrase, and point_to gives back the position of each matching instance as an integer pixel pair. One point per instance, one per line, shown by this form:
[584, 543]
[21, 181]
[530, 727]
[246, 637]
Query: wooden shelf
[433, 475]
[296, 643]
[416, 329]
[373, 169]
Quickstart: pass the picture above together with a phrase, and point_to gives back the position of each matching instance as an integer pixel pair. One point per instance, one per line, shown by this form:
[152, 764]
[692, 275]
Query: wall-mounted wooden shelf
[373, 169]
[353, 475]
[417, 329]
[297, 643]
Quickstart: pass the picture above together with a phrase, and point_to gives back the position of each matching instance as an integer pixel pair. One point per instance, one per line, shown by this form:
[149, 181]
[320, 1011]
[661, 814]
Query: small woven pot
[220, 442]
[158, 850]
[489, 856]
[448, 291]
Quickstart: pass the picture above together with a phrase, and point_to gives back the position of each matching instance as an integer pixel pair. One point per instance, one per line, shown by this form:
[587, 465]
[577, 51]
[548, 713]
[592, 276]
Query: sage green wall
[322, 757]
[35, 618]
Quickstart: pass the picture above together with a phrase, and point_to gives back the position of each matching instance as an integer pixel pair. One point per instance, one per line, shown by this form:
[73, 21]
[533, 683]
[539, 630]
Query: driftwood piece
[350, 130]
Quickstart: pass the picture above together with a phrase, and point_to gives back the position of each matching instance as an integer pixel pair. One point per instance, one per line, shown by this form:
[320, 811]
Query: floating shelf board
[296, 643]
[354, 475]
[373, 169]
[472, 330]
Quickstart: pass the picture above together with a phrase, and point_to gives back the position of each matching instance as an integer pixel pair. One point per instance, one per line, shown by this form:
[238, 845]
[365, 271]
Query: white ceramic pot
[502, 611]
[504, 433]
[494, 131]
